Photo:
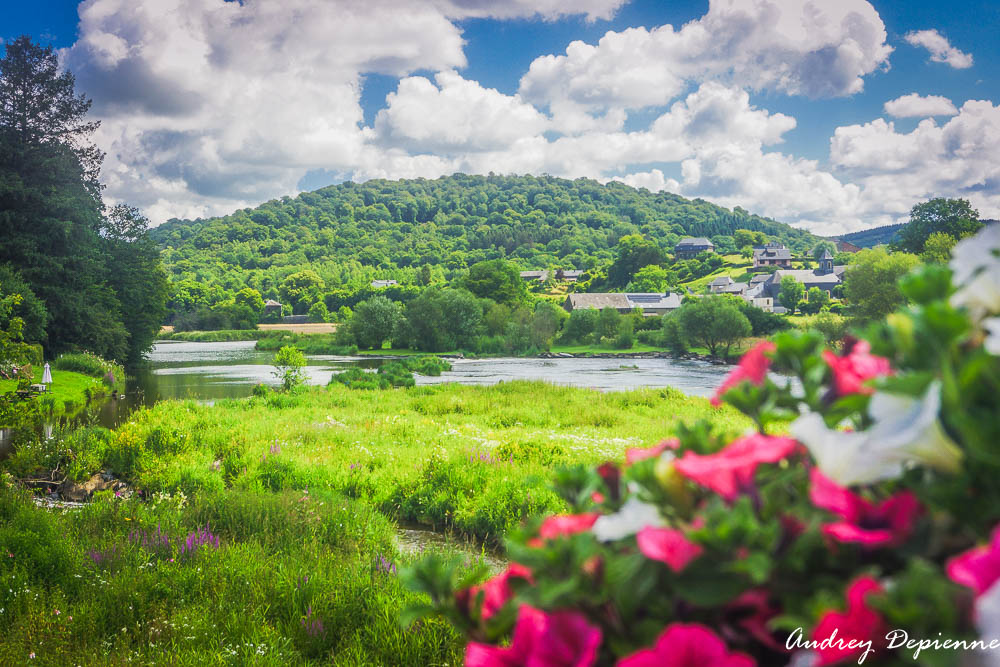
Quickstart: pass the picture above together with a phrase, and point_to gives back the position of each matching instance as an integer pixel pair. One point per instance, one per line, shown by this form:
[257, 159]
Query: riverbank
[68, 393]
[290, 500]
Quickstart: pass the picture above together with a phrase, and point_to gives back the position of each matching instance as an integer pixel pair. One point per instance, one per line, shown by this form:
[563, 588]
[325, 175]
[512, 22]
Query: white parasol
[47, 375]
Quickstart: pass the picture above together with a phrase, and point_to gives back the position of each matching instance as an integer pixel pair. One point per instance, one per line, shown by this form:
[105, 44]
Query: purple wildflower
[197, 539]
[312, 626]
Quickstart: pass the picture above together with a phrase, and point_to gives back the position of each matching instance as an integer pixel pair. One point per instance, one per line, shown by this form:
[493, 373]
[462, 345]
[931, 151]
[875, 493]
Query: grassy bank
[224, 335]
[301, 491]
[68, 393]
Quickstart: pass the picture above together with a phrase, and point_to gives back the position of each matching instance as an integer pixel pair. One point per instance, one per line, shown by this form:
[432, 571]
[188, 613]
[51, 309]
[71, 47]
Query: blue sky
[203, 113]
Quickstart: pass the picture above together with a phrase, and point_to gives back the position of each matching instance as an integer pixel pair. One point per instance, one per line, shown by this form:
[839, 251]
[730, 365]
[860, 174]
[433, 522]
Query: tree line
[88, 276]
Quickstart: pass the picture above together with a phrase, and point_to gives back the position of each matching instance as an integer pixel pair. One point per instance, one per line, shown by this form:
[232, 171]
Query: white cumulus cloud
[940, 49]
[798, 47]
[917, 106]
[456, 115]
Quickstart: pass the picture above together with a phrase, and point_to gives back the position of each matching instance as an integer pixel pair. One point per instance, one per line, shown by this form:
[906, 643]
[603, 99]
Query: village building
[690, 248]
[379, 284]
[651, 303]
[826, 277]
[539, 276]
[772, 254]
[568, 275]
[272, 306]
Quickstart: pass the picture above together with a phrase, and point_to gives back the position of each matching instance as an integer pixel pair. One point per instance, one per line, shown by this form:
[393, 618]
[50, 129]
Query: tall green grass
[297, 578]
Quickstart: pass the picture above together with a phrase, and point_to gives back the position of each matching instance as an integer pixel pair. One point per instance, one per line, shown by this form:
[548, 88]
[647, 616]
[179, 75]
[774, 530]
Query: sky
[831, 115]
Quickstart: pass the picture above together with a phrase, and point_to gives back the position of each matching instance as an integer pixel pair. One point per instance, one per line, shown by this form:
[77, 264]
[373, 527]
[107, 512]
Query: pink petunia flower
[635, 454]
[729, 471]
[846, 631]
[752, 368]
[497, 591]
[979, 567]
[753, 610]
[559, 639]
[687, 645]
[852, 370]
[667, 545]
[561, 525]
[887, 524]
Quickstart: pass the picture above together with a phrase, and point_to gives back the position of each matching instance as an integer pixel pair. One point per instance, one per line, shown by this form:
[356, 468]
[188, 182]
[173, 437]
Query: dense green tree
[498, 280]
[871, 282]
[608, 323]
[137, 278]
[374, 322]
[672, 333]
[954, 217]
[651, 278]
[762, 323]
[289, 367]
[442, 319]
[821, 247]
[833, 327]
[714, 322]
[318, 312]
[816, 299]
[790, 292]
[302, 289]
[250, 298]
[545, 323]
[29, 308]
[937, 248]
[580, 326]
[633, 253]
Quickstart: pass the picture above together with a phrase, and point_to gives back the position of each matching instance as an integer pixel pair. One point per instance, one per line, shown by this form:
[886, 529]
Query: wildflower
[859, 623]
[906, 430]
[56, 612]
[629, 520]
[497, 591]
[667, 545]
[752, 368]
[32, 655]
[854, 368]
[729, 471]
[559, 638]
[886, 524]
[686, 645]
[635, 454]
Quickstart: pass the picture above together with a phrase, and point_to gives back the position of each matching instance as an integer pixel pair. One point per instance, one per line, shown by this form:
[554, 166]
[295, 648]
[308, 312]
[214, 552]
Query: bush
[857, 523]
[289, 364]
[88, 364]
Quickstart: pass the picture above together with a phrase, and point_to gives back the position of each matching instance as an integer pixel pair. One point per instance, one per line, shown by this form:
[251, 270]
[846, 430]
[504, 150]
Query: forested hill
[352, 232]
[868, 238]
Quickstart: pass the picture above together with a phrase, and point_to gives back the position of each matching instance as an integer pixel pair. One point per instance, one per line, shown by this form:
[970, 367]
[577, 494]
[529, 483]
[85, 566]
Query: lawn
[68, 392]
[301, 492]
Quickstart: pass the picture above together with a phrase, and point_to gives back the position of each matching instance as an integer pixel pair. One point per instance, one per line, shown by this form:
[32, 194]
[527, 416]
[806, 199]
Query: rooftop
[696, 241]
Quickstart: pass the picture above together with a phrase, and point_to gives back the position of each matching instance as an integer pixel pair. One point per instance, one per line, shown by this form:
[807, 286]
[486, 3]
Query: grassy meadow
[262, 530]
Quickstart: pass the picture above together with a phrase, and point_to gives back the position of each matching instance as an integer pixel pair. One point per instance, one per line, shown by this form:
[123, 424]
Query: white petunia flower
[843, 456]
[906, 430]
[629, 520]
[992, 342]
[981, 295]
[977, 252]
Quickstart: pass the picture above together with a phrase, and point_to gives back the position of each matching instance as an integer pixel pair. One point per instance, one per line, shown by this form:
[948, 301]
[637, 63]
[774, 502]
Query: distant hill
[352, 233]
[869, 238]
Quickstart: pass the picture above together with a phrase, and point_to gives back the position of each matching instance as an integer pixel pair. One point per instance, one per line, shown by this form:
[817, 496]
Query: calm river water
[213, 371]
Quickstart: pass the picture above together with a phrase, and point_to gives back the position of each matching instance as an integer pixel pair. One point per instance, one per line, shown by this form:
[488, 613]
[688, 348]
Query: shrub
[88, 364]
[739, 551]
[289, 364]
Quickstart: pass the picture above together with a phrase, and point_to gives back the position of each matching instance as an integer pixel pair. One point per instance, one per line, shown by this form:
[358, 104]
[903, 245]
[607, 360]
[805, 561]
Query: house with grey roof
[538, 276]
[772, 254]
[720, 283]
[691, 247]
[379, 284]
[651, 303]
[826, 277]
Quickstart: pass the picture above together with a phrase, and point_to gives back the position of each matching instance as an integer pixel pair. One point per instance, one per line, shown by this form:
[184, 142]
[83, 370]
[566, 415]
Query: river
[213, 371]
